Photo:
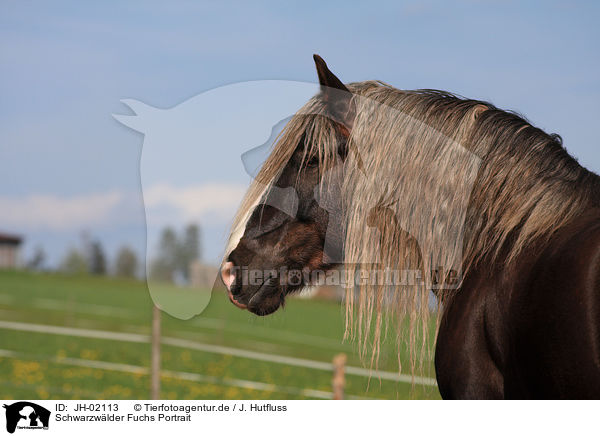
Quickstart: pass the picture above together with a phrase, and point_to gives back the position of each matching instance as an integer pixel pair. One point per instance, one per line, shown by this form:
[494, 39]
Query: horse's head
[282, 246]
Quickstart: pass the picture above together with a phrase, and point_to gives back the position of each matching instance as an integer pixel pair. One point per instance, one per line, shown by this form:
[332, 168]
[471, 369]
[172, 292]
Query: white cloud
[200, 202]
[165, 204]
[57, 213]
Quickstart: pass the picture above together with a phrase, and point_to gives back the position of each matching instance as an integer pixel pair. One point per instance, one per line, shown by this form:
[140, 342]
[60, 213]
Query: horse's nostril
[227, 274]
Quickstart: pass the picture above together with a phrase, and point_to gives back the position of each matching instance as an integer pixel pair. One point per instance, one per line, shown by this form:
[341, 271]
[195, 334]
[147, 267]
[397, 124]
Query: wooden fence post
[155, 360]
[339, 380]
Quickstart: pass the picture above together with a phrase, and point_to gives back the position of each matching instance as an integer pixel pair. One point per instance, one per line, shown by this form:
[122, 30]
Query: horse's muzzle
[264, 300]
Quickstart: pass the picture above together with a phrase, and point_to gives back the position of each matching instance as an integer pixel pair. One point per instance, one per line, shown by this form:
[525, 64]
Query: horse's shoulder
[554, 320]
[575, 247]
[565, 278]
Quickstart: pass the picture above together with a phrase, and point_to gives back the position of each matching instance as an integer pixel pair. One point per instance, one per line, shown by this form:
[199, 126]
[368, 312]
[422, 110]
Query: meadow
[84, 337]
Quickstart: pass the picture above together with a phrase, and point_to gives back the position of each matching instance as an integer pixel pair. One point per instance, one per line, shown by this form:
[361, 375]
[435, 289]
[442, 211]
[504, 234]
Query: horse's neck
[518, 203]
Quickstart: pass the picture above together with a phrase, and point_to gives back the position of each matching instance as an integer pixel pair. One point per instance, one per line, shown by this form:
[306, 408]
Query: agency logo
[26, 415]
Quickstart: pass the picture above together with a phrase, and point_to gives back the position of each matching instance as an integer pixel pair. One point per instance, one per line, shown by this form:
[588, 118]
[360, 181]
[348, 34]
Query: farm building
[9, 250]
[203, 276]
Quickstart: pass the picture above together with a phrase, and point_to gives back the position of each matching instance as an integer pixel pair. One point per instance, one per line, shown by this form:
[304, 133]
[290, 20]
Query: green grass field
[43, 364]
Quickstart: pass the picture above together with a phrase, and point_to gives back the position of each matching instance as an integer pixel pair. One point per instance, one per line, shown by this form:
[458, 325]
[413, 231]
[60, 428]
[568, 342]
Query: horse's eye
[313, 162]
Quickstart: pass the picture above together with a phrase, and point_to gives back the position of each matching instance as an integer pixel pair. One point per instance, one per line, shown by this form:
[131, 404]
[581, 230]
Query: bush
[126, 264]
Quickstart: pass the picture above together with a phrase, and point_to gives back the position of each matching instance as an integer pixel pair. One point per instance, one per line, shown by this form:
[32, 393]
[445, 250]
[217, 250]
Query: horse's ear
[326, 78]
[337, 96]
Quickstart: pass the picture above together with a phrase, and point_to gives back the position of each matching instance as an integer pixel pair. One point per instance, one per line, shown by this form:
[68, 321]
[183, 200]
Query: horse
[369, 176]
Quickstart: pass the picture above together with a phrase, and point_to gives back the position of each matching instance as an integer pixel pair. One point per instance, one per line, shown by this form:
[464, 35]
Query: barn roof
[6, 238]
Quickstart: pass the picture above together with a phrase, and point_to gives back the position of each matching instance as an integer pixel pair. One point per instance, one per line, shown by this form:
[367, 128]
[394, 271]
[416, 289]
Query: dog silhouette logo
[26, 415]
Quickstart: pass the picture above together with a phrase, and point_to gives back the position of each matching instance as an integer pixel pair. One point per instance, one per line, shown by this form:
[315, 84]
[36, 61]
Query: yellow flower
[89, 354]
[42, 393]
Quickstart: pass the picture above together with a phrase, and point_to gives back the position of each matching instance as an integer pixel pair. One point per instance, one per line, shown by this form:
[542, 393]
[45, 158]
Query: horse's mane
[481, 180]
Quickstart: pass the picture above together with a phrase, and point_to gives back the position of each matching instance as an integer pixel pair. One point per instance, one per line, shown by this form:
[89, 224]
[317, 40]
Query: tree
[97, 259]
[164, 265]
[126, 264]
[189, 249]
[74, 262]
[176, 253]
[38, 259]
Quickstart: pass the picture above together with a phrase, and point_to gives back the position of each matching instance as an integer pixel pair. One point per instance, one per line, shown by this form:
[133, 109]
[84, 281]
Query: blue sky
[69, 166]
